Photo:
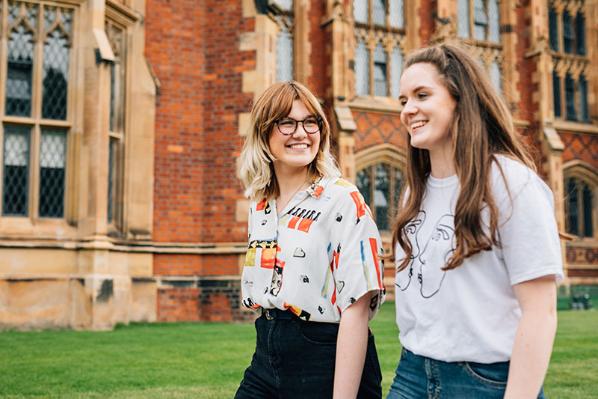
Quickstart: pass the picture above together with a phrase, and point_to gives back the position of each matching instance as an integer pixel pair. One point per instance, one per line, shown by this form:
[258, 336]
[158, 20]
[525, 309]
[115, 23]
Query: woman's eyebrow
[416, 89]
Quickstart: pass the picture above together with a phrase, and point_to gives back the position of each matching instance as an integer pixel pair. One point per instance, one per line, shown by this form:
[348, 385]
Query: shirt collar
[316, 189]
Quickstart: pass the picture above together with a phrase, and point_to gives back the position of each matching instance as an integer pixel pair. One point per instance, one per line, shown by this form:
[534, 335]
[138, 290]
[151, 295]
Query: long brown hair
[482, 127]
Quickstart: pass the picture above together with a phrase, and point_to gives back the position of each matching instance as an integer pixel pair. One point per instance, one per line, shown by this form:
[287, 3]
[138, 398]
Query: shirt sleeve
[357, 265]
[528, 232]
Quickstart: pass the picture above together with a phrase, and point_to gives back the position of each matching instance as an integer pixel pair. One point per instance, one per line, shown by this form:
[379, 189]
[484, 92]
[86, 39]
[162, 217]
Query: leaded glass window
[364, 184]
[554, 31]
[478, 20]
[284, 55]
[36, 125]
[568, 32]
[380, 71]
[463, 19]
[284, 43]
[380, 185]
[382, 196]
[362, 69]
[493, 21]
[572, 207]
[397, 69]
[56, 62]
[579, 207]
[495, 76]
[115, 170]
[396, 14]
[583, 94]
[379, 12]
[52, 172]
[379, 30]
[15, 198]
[117, 38]
[21, 41]
[360, 11]
[556, 94]
[570, 97]
[570, 60]
[572, 30]
[580, 33]
[587, 201]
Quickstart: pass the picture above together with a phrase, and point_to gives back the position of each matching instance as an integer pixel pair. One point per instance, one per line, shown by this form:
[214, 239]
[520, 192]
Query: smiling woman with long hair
[476, 244]
[313, 268]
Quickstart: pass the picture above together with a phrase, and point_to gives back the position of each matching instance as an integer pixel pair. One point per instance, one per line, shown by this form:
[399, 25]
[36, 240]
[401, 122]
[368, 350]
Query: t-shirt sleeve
[528, 232]
[357, 266]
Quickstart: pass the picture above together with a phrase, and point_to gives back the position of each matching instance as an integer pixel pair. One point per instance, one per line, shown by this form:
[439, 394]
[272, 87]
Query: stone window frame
[570, 70]
[585, 174]
[117, 34]
[389, 39]
[130, 222]
[18, 224]
[394, 158]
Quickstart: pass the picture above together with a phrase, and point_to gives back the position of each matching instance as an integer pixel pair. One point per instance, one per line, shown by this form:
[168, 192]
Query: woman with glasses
[312, 270]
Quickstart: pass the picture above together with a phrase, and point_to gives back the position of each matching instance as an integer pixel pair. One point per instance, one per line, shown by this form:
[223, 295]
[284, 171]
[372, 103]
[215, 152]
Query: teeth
[418, 124]
[298, 146]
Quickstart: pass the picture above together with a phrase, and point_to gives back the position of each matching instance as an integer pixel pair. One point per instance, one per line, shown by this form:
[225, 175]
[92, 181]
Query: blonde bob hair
[256, 169]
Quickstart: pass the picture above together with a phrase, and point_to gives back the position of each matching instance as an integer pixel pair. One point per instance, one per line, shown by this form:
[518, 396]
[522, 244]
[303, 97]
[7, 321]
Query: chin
[296, 164]
[418, 144]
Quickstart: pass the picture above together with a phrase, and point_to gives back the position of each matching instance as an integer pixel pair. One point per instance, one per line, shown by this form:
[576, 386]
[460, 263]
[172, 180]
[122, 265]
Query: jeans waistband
[271, 314]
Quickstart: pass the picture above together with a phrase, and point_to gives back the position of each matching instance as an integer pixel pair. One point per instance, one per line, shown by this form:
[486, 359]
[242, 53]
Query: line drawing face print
[437, 251]
[412, 229]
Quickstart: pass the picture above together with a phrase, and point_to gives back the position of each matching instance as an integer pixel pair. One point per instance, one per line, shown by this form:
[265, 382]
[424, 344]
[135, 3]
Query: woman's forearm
[351, 349]
[532, 347]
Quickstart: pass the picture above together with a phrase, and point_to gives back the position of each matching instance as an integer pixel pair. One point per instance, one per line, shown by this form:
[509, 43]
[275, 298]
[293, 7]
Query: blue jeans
[419, 377]
[295, 359]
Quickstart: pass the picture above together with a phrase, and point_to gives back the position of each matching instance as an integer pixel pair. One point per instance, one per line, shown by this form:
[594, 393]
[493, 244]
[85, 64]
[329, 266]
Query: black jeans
[295, 359]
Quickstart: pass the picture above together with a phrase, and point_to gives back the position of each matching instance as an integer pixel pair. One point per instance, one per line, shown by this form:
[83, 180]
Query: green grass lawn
[187, 360]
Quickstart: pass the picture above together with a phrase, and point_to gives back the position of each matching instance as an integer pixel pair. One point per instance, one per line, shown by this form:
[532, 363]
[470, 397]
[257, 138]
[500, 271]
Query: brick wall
[193, 48]
[205, 300]
[176, 304]
[196, 265]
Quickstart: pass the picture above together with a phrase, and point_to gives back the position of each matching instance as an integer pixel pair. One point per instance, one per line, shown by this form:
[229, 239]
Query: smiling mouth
[418, 125]
[298, 146]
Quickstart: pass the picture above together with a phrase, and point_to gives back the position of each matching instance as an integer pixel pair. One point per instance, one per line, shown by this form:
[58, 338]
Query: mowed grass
[206, 360]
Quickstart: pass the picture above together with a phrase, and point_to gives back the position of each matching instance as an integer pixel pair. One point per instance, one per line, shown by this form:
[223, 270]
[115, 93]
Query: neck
[442, 164]
[290, 179]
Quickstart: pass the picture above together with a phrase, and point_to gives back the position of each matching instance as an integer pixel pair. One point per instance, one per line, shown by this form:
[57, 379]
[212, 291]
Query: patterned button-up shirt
[315, 257]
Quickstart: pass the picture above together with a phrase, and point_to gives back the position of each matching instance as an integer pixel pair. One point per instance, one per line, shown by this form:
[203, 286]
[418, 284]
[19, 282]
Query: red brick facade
[195, 51]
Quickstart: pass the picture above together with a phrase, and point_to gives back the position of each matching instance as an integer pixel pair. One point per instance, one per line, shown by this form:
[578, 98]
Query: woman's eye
[286, 123]
[402, 101]
[422, 95]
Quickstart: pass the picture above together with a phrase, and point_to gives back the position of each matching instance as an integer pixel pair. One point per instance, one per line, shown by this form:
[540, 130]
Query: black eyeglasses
[288, 126]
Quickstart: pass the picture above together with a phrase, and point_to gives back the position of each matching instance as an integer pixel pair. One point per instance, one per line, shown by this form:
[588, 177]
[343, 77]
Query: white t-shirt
[470, 313]
[319, 256]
